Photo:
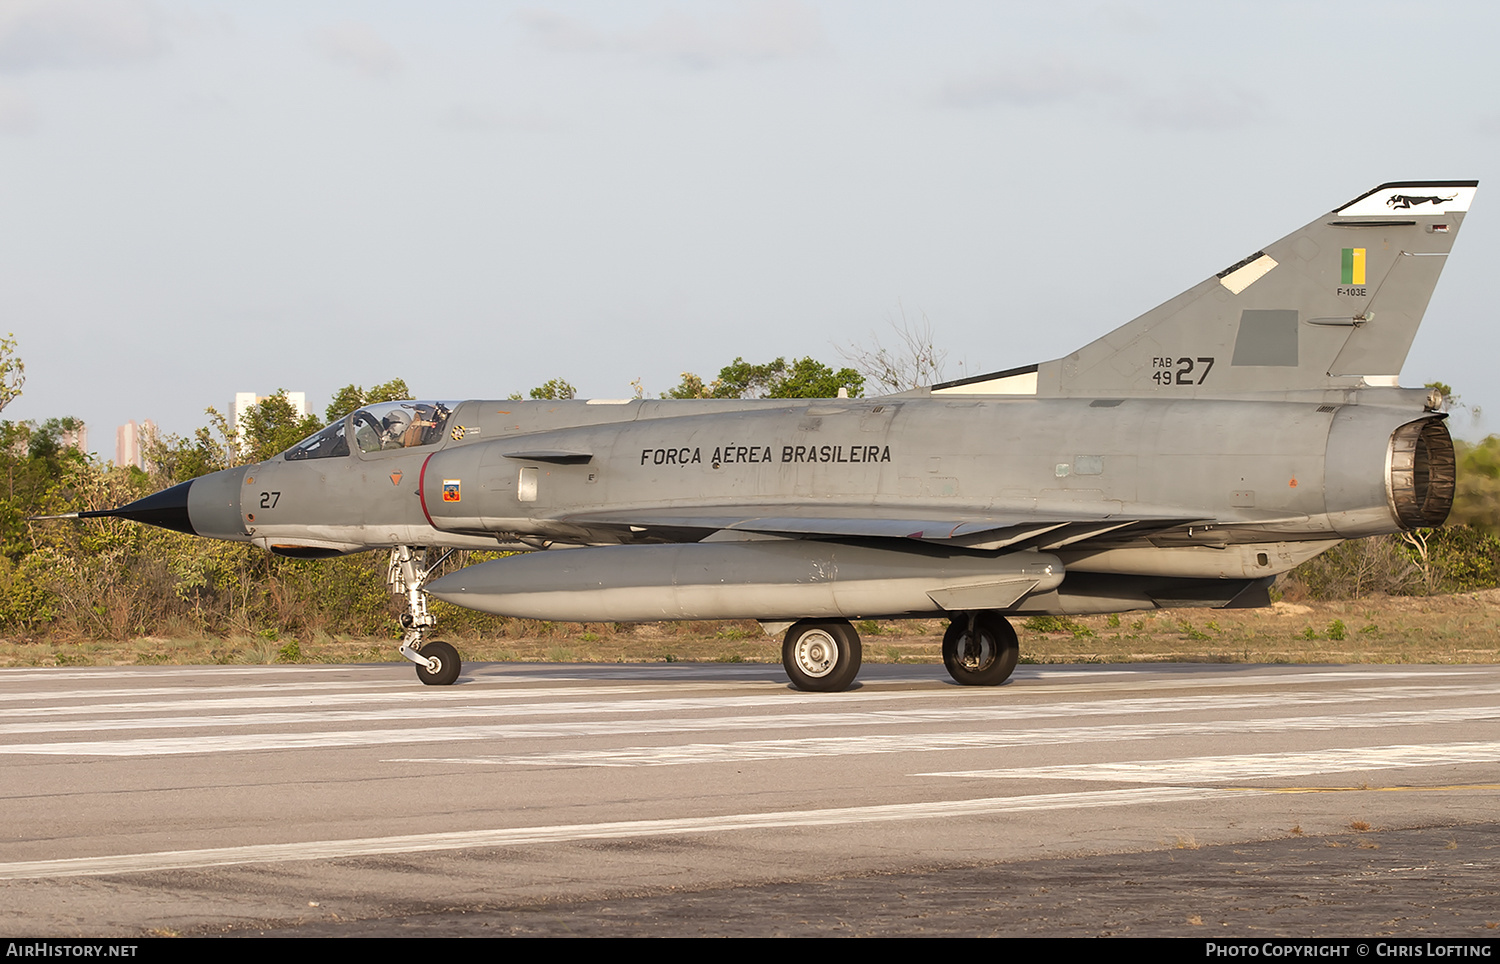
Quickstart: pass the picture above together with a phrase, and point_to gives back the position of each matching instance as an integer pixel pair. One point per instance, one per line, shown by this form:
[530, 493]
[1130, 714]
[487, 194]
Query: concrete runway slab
[712, 798]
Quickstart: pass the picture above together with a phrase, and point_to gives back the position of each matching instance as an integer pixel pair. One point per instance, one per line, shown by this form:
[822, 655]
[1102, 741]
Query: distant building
[244, 401]
[130, 442]
[76, 438]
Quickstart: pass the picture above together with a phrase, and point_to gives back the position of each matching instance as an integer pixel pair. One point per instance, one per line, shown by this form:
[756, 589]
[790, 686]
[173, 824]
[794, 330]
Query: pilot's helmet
[396, 422]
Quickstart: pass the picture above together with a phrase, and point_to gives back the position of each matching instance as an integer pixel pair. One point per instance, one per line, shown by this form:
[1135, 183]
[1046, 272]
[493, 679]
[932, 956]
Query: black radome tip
[167, 509]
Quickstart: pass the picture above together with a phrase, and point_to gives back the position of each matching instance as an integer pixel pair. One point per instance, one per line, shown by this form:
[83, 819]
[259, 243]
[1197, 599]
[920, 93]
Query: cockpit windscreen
[327, 444]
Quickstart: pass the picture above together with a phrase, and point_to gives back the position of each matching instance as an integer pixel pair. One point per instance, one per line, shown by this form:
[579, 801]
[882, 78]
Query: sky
[201, 198]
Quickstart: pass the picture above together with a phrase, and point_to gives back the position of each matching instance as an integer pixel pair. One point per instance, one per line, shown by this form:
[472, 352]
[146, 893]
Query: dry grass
[1461, 628]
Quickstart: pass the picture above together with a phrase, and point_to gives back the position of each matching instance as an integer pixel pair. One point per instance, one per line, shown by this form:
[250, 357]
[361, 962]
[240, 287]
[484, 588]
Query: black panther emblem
[1403, 201]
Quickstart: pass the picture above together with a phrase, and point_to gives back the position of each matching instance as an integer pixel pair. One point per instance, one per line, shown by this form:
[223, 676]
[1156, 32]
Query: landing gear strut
[980, 649]
[437, 662]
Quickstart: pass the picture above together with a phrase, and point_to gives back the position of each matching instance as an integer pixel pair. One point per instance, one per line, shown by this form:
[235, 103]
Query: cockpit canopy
[400, 425]
[378, 428]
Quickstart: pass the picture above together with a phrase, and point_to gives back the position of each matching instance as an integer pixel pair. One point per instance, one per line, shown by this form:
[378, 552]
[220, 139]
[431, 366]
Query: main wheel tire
[447, 660]
[985, 657]
[821, 655]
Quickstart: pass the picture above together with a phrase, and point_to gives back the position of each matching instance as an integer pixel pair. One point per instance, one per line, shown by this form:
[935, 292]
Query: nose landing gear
[437, 662]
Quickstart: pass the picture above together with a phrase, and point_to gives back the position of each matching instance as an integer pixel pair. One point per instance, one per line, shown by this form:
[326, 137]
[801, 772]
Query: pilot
[394, 428]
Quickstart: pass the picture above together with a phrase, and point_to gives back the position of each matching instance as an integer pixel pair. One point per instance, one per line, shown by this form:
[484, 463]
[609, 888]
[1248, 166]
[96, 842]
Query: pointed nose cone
[167, 509]
[206, 506]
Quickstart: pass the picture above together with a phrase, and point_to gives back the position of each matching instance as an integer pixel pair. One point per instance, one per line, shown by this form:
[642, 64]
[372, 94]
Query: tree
[691, 386]
[802, 378]
[39, 477]
[1359, 567]
[352, 396]
[740, 379]
[1419, 548]
[555, 388]
[807, 378]
[174, 459]
[1476, 499]
[1451, 401]
[12, 371]
[274, 426]
[914, 361]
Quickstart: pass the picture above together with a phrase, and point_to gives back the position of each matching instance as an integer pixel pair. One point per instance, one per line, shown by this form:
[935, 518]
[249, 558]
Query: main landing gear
[437, 662]
[823, 655]
[980, 649]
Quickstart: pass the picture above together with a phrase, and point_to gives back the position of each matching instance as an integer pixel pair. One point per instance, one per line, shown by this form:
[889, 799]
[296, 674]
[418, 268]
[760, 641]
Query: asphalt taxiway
[712, 798]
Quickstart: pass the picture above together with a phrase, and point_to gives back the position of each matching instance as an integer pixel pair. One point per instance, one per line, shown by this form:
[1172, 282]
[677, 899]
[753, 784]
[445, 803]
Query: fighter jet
[1184, 459]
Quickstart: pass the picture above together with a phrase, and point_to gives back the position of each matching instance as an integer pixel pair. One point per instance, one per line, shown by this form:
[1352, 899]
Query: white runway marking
[518, 836]
[208, 680]
[542, 701]
[421, 710]
[246, 742]
[204, 711]
[25, 674]
[1253, 766]
[366, 690]
[827, 746]
[306, 693]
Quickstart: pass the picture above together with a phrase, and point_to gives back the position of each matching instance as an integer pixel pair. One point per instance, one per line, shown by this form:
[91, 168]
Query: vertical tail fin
[1334, 304]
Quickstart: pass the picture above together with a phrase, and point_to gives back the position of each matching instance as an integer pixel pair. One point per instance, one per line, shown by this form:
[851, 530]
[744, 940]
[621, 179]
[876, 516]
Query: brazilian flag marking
[1354, 266]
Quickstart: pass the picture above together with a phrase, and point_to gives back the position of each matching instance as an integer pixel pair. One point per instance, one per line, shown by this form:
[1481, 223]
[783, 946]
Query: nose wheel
[442, 663]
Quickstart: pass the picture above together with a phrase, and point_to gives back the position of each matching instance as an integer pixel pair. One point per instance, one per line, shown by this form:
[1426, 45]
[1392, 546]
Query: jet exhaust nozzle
[1423, 473]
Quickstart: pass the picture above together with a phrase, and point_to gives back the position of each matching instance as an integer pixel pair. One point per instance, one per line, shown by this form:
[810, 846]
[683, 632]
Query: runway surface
[712, 798]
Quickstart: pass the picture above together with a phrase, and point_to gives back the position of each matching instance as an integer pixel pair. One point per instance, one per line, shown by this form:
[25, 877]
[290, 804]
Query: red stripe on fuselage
[422, 489]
